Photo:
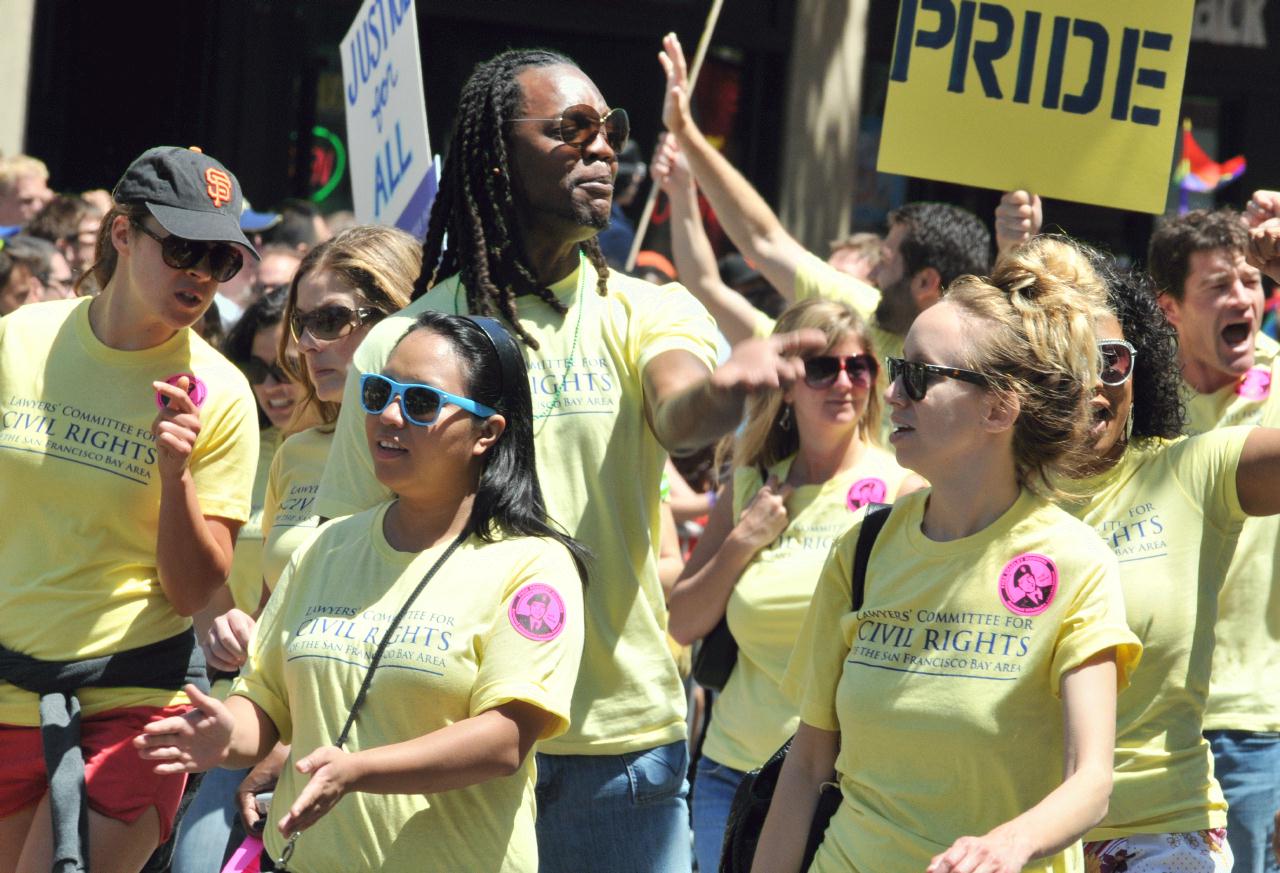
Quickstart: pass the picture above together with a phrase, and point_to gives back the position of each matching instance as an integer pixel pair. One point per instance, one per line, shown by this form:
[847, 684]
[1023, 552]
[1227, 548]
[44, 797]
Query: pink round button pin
[196, 390]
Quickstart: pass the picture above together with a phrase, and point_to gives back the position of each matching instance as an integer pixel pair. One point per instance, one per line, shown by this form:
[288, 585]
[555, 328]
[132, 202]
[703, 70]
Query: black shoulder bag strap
[872, 522]
[282, 863]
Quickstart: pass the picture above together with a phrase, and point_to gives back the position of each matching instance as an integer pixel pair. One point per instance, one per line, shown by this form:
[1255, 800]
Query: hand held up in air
[1018, 218]
[676, 114]
[670, 167]
[190, 743]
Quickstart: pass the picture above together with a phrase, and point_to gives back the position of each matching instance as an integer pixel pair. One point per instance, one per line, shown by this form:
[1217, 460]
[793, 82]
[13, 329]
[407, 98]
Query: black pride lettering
[1066, 36]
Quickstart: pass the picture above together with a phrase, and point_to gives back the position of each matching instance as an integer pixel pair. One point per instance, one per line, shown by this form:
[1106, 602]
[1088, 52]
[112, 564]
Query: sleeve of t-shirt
[816, 278]
[669, 317]
[1205, 467]
[225, 458]
[817, 662]
[1094, 622]
[348, 485]
[539, 668]
[762, 325]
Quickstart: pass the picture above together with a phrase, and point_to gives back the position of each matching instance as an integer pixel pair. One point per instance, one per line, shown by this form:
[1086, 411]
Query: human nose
[598, 146]
[201, 270]
[894, 396]
[392, 414]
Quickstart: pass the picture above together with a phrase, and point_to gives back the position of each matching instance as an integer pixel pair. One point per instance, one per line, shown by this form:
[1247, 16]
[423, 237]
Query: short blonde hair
[763, 440]
[11, 169]
[1040, 347]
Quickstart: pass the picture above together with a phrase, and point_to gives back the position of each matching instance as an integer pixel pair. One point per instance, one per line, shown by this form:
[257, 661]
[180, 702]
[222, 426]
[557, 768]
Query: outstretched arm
[750, 223]
[688, 407]
[694, 258]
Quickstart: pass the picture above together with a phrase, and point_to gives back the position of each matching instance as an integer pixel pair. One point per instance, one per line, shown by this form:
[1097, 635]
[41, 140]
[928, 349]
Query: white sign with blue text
[393, 180]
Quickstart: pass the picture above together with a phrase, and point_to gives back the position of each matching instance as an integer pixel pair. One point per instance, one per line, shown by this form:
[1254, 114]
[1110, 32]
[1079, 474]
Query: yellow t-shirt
[292, 484]
[245, 580]
[1170, 512]
[78, 478]
[945, 686]
[469, 643]
[753, 717]
[600, 467]
[1244, 689]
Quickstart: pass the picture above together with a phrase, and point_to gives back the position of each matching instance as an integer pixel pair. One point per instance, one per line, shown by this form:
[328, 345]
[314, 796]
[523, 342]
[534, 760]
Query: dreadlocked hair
[475, 205]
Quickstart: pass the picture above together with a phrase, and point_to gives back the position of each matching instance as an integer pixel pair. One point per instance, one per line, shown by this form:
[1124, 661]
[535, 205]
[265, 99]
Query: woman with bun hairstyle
[1171, 509]
[805, 461]
[127, 453]
[967, 731]
[413, 653]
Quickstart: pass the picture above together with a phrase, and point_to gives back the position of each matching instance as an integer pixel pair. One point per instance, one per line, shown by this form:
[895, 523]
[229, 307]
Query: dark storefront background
[258, 84]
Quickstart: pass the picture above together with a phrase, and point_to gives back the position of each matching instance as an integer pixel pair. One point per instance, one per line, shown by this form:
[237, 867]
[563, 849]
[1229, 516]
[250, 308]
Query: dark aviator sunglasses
[580, 125]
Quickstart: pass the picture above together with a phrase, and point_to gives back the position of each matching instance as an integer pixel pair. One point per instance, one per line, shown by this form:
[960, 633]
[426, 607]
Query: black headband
[510, 361]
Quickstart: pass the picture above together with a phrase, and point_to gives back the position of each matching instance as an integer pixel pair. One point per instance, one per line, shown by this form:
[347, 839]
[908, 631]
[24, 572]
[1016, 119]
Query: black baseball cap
[189, 193]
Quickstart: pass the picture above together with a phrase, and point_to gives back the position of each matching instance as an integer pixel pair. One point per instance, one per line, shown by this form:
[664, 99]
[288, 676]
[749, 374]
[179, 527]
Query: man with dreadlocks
[620, 372]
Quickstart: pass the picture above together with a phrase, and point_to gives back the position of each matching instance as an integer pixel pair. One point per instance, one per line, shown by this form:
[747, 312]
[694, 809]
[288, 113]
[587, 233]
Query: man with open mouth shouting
[1214, 300]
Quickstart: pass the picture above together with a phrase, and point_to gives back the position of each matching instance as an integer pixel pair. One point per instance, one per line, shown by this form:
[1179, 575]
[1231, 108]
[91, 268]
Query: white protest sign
[393, 179]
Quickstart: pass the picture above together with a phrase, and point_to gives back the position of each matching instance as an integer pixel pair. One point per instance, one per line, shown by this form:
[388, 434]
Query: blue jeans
[201, 843]
[1247, 765]
[615, 813]
[714, 785]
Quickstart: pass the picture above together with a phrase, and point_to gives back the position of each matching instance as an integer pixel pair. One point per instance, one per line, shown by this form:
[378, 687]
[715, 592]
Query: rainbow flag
[1197, 171]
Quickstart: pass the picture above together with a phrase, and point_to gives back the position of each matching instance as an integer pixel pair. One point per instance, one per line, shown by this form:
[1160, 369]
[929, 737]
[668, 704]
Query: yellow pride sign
[1078, 101]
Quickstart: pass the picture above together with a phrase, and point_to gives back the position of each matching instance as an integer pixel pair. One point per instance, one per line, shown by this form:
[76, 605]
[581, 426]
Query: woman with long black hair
[415, 652]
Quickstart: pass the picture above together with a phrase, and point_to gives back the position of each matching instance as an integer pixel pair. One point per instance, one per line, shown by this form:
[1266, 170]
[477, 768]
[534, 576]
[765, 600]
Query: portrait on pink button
[1028, 584]
[537, 612]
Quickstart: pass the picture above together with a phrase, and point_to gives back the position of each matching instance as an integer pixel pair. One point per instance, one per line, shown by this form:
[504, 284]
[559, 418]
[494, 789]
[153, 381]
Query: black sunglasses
[225, 260]
[821, 371]
[331, 322]
[580, 125]
[915, 376]
[1117, 362]
[257, 370]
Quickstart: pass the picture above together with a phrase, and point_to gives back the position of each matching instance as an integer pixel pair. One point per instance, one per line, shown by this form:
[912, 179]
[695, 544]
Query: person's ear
[1000, 411]
[490, 432]
[120, 233]
[1171, 308]
[926, 288]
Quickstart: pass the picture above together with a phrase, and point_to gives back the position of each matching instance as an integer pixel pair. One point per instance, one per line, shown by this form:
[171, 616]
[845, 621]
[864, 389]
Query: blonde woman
[967, 730]
[805, 462]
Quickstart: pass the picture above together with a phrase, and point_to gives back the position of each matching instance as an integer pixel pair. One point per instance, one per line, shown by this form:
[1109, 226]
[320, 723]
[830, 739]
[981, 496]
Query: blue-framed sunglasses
[421, 403]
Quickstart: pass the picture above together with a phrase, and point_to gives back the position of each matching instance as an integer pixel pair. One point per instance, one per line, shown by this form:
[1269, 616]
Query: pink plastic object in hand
[245, 859]
[196, 390]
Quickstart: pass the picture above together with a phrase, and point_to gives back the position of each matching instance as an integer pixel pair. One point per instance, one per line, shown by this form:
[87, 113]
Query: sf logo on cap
[217, 186]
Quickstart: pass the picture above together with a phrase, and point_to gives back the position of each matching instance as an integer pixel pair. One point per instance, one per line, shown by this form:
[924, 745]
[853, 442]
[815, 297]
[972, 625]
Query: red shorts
[121, 785]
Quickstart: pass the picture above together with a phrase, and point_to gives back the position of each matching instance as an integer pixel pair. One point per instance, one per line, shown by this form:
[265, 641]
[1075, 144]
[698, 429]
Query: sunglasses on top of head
[915, 376]
[1117, 362]
[821, 371]
[225, 260]
[331, 322]
[421, 404]
[580, 125]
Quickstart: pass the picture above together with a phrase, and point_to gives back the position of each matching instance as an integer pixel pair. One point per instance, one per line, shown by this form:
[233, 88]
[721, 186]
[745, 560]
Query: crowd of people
[384, 538]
